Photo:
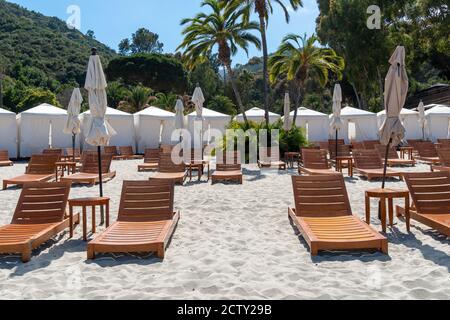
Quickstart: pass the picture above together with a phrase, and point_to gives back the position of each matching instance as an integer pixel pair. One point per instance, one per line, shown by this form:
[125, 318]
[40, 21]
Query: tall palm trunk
[236, 91]
[260, 8]
[298, 100]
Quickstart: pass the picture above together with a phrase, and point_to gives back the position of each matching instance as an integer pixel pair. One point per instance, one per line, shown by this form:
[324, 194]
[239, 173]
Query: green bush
[35, 96]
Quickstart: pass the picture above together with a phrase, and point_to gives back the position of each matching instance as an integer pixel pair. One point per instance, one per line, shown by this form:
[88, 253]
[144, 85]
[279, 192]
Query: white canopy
[438, 122]
[122, 123]
[359, 125]
[258, 115]
[34, 129]
[315, 124]
[410, 120]
[8, 132]
[211, 120]
[152, 125]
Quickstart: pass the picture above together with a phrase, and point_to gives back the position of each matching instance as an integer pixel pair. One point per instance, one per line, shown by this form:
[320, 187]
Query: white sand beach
[232, 242]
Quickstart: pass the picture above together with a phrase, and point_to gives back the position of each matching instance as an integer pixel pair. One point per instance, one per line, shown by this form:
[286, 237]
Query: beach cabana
[40, 128]
[258, 115]
[211, 120]
[359, 125]
[8, 132]
[438, 122]
[153, 127]
[315, 124]
[122, 123]
[410, 120]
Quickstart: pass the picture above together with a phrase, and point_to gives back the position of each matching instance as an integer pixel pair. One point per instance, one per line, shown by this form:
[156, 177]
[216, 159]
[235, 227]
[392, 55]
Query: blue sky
[114, 20]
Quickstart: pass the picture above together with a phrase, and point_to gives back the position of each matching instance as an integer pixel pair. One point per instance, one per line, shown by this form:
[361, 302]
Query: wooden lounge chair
[266, 160]
[358, 145]
[371, 144]
[444, 142]
[393, 157]
[169, 170]
[53, 151]
[112, 150]
[427, 153]
[226, 171]
[368, 164]
[324, 217]
[343, 151]
[444, 157]
[70, 153]
[4, 159]
[430, 193]
[40, 215]
[167, 148]
[89, 169]
[146, 220]
[151, 160]
[315, 162]
[323, 145]
[127, 153]
[40, 169]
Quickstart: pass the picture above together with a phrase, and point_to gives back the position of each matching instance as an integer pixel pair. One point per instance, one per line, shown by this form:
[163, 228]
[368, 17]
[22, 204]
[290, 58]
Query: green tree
[226, 28]
[142, 41]
[33, 97]
[165, 101]
[222, 104]
[298, 59]
[116, 93]
[137, 99]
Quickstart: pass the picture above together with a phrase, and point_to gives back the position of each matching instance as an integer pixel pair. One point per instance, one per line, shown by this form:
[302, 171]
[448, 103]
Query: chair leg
[90, 253]
[26, 254]
[161, 252]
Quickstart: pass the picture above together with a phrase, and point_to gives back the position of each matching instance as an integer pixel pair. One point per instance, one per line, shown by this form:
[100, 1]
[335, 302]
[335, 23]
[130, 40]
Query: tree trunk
[380, 79]
[262, 23]
[236, 91]
[1, 90]
[357, 95]
[298, 101]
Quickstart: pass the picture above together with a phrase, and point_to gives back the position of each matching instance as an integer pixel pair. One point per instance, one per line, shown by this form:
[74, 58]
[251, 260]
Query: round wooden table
[389, 195]
[340, 160]
[85, 203]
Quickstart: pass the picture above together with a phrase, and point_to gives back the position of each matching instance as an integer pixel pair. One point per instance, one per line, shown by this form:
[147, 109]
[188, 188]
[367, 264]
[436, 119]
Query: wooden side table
[68, 166]
[200, 166]
[85, 203]
[389, 195]
[407, 153]
[340, 160]
[291, 157]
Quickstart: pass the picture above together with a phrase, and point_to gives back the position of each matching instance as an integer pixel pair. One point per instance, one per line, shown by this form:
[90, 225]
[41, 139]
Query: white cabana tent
[410, 120]
[258, 115]
[8, 132]
[35, 126]
[438, 122]
[211, 120]
[153, 126]
[359, 125]
[315, 124]
[122, 123]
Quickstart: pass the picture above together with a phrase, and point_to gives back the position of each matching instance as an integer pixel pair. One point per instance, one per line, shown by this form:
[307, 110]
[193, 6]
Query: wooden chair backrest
[43, 163]
[42, 202]
[324, 145]
[444, 141]
[111, 150]
[321, 196]
[59, 152]
[4, 156]
[70, 152]
[430, 191]
[265, 154]
[151, 156]
[126, 151]
[167, 164]
[89, 162]
[343, 150]
[227, 165]
[367, 159]
[146, 200]
[426, 149]
[339, 141]
[444, 156]
[371, 144]
[195, 154]
[358, 145]
[414, 142]
[392, 154]
[315, 159]
[167, 148]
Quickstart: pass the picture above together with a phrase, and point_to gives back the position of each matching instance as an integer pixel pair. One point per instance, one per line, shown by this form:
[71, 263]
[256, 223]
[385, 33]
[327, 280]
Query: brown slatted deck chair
[53, 151]
[358, 145]
[371, 144]
[4, 159]
[339, 141]
[368, 164]
[146, 220]
[226, 171]
[430, 193]
[427, 153]
[70, 153]
[267, 161]
[167, 148]
[315, 162]
[324, 217]
[169, 170]
[324, 145]
[444, 157]
[344, 150]
[393, 157]
[89, 169]
[112, 150]
[127, 153]
[40, 169]
[151, 160]
[40, 215]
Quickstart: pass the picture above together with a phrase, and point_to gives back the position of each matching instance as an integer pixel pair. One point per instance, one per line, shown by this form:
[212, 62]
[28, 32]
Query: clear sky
[114, 20]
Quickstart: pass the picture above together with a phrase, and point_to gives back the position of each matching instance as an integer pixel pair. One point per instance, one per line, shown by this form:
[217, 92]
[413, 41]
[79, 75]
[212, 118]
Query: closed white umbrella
[198, 99]
[336, 121]
[100, 131]
[423, 122]
[73, 125]
[179, 117]
[396, 91]
[287, 112]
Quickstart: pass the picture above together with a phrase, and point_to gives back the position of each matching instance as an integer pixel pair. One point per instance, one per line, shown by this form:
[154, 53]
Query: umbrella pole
[336, 155]
[100, 180]
[384, 174]
[73, 146]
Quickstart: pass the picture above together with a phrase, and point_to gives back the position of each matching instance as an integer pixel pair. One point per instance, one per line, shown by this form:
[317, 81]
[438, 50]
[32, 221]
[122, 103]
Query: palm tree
[138, 98]
[226, 28]
[165, 101]
[263, 8]
[298, 59]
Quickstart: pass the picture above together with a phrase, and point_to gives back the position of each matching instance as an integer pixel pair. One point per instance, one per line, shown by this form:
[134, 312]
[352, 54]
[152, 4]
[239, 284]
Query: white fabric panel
[438, 122]
[410, 122]
[8, 132]
[317, 123]
[258, 115]
[366, 124]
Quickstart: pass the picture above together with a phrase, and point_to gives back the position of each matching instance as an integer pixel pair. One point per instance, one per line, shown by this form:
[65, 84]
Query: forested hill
[43, 46]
